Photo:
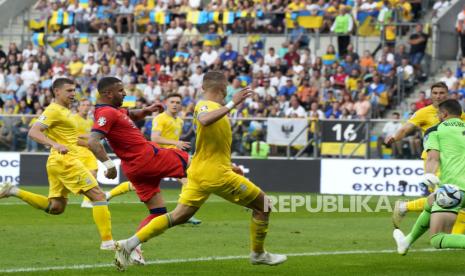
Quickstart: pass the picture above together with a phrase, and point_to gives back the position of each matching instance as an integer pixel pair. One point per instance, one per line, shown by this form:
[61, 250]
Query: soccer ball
[448, 196]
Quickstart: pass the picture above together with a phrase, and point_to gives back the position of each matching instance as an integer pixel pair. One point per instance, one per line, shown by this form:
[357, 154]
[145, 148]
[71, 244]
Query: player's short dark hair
[453, 107]
[440, 84]
[396, 113]
[172, 95]
[59, 82]
[106, 82]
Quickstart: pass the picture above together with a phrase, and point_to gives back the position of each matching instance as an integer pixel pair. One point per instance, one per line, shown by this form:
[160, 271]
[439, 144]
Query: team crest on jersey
[42, 118]
[101, 121]
[204, 108]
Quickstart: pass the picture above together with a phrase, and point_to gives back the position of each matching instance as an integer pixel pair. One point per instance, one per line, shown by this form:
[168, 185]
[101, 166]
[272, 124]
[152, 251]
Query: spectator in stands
[288, 89]
[260, 66]
[390, 128]
[384, 66]
[362, 107]
[271, 57]
[125, 16]
[209, 55]
[315, 112]
[460, 28]
[342, 27]
[295, 110]
[418, 42]
[228, 54]
[291, 55]
[367, 61]
[173, 34]
[91, 66]
[334, 111]
[449, 78]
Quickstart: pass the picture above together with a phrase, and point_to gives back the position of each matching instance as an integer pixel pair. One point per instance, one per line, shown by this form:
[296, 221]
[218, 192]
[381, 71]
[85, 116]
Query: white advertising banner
[284, 131]
[101, 173]
[9, 167]
[371, 177]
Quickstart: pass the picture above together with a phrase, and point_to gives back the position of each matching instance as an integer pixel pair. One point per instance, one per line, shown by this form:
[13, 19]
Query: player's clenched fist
[389, 140]
[111, 173]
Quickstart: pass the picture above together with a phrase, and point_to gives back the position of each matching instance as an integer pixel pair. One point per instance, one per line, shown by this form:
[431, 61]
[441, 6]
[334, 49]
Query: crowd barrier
[326, 176]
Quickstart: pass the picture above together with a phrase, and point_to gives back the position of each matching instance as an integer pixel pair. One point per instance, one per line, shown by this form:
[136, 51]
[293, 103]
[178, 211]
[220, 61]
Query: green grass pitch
[320, 243]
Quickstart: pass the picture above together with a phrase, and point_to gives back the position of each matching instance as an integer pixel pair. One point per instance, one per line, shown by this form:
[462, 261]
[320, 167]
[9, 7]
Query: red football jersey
[124, 137]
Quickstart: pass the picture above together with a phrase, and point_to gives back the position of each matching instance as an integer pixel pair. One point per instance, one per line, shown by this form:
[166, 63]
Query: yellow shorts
[233, 187]
[68, 174]
[88, 159]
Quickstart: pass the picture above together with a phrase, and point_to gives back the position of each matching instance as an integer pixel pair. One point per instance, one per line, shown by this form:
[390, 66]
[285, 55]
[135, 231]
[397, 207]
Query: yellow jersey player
[211, 172]
[167, 130]
[84, 126]
[56, 128]
[424, 119]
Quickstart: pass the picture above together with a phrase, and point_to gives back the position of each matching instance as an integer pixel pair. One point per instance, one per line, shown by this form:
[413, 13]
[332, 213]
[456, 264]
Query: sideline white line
[111, 203]
[212, 258]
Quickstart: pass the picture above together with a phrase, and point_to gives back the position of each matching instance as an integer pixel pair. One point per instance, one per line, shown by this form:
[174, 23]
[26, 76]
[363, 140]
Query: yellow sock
[258, 230]
[102, 219]
[459, 226]
[154, 228]
[416, 205]
[86, 198]
[35, 200]
[121, 189]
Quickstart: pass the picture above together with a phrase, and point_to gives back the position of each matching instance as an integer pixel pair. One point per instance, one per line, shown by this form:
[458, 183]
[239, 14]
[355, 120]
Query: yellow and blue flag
[159, 17]
[83, 38]
[180, 54]
[193, 17]
[228, 17]
[59, 43]
[83, 4]
[56, 18]
[211, 40]
[68, 18]
[35, 24]
[38, 39]
[129, 101]
[245, 80]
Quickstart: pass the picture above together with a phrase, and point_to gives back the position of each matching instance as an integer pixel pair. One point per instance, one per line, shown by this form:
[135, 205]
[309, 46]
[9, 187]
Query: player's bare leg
[86, 203]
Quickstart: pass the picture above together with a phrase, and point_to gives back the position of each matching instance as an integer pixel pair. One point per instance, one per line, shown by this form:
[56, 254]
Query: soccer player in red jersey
[143, 162]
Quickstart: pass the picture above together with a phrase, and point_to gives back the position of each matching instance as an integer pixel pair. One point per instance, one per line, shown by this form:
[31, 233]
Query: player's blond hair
[214, 81]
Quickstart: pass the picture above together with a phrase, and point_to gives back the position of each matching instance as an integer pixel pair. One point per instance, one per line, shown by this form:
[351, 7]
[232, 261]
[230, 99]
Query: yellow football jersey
[84, 126]
[426, 118]
[61, 127]
[212, 158]
[169, 128]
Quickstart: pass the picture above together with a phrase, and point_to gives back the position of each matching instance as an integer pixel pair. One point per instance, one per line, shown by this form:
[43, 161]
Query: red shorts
[164, 163]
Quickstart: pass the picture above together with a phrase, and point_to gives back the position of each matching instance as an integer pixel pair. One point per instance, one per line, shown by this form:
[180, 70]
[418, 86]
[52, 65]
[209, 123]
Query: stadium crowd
[290, 81]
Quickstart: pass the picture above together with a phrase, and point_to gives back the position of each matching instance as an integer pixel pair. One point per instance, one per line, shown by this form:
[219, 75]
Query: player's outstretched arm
[37, 134]
[99, 151]
[140, 114]
[405, 130]
[208, 118]
[157, 138]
